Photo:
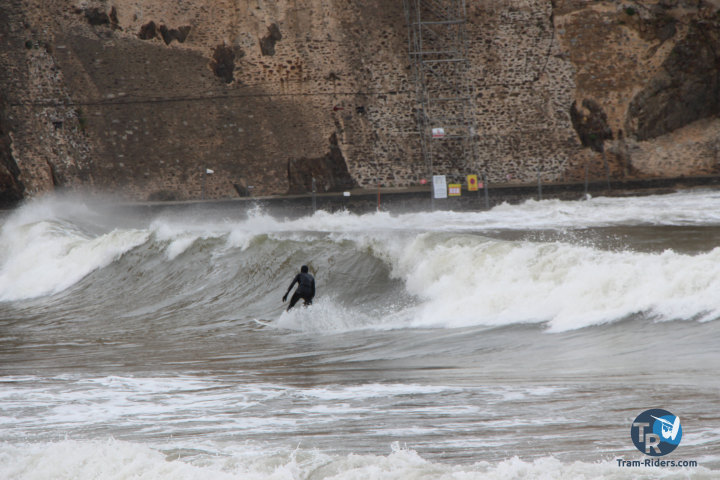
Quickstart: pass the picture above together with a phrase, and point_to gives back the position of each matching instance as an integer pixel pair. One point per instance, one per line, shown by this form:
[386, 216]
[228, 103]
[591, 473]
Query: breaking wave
[379, 271]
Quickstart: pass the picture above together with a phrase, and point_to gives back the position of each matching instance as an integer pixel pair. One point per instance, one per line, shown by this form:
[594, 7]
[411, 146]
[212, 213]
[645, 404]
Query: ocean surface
[515, 343]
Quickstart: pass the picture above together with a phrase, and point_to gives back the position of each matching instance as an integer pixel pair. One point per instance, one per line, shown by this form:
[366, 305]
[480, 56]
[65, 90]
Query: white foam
[180, 236]
[174, 405]
[465, 281]
[327, 314]
[119, 460]
[368, 391]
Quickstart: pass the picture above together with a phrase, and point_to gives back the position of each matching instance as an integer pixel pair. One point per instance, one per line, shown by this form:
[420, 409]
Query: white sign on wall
[439, 186]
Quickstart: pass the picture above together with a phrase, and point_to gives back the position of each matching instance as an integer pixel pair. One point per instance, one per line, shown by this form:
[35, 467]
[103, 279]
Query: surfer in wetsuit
[305, 289]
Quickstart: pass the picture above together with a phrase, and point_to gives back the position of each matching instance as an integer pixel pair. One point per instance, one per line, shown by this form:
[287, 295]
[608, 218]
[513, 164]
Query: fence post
[378, 197]
[487, 195]
[539, 186]
[314, 201]
[607, 169]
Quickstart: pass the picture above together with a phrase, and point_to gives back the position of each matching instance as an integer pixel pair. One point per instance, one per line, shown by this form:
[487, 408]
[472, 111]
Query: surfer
[305, 289]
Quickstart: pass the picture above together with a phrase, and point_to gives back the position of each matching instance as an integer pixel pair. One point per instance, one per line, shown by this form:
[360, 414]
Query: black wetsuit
[305, 290]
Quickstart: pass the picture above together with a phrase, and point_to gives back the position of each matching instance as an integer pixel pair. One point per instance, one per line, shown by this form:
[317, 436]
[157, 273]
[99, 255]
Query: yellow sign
[454, 189]
[472, 183]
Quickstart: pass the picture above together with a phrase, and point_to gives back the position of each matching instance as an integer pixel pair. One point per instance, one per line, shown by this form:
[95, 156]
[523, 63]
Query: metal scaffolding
[438, 48]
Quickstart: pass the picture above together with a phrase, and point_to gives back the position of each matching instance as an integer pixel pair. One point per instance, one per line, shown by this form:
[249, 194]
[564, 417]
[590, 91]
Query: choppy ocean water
[520, 342]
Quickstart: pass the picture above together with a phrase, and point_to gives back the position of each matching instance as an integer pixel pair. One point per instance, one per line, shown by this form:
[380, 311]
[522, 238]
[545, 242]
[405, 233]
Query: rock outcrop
[140, 98]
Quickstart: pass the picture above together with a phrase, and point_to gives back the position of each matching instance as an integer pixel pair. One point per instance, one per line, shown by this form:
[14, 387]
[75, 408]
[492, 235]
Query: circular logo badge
[656, 432]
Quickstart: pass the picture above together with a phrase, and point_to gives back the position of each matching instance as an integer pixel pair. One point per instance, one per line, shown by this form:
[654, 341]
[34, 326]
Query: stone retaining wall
[141, 98]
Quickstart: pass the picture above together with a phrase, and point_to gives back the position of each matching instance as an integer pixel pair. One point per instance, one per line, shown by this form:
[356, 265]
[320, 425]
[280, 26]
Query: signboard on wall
[439, 186]
[472, 183]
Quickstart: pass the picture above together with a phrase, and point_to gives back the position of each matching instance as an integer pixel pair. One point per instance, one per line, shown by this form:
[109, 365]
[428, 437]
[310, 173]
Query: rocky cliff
[144, 97]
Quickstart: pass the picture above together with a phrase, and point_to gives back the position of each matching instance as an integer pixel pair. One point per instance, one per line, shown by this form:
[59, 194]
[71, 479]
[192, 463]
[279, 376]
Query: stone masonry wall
[142, 97]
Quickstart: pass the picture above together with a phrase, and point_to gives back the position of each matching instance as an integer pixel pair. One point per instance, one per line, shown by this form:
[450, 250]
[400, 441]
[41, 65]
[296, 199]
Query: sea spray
[46, 257]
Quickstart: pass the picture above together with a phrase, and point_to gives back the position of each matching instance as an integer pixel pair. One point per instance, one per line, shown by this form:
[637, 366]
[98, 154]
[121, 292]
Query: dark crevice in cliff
[330, 172]
[97, 17]
[57, 183]
[150, 30]
[267, 43]
[11, 188]
[223, 62]
[170, 34]
[591, 124]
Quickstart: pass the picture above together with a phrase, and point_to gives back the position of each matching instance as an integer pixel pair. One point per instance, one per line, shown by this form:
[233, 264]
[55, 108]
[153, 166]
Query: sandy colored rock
[140, 98]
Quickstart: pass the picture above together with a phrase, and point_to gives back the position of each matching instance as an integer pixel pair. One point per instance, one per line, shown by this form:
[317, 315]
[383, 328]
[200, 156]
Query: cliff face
[142, 97]
[650, 69]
